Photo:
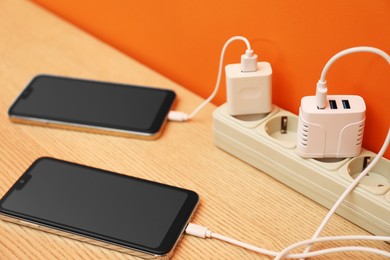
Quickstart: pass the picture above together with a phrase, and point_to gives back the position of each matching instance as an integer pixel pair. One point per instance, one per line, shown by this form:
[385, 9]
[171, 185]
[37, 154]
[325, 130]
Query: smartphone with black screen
[93, 106]
[119, 212]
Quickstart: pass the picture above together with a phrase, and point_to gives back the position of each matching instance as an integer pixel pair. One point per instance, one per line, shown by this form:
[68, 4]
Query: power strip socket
[269, 143]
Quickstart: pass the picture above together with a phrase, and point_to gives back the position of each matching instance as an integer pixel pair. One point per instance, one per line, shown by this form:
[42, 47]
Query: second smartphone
[93, 106]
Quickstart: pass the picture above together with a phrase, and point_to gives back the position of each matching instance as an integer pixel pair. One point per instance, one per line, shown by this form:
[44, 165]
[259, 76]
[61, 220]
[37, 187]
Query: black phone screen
[93, 103]
[112, 207]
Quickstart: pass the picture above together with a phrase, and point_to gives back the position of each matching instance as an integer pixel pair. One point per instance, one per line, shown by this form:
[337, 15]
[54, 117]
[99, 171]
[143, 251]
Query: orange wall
[183, 40]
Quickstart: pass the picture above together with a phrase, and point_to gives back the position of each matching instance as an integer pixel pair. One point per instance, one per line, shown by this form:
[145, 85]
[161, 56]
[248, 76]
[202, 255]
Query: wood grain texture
[236, 199]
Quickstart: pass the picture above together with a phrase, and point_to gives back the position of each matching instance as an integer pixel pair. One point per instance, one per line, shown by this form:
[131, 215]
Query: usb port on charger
[333, 104]
[346, 104]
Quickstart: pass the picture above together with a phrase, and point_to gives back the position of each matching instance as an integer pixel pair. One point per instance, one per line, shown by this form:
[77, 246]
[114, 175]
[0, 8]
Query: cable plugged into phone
[332, 125]
[248, 85]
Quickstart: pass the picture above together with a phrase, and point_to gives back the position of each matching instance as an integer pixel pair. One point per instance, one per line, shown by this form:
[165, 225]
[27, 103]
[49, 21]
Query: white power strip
[268, 143]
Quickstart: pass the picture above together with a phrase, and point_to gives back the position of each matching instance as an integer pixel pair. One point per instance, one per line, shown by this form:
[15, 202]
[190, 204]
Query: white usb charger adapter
[248, 88]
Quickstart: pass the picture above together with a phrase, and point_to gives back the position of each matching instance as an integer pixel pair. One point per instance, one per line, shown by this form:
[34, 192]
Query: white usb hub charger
[334, 131]
[332, 126]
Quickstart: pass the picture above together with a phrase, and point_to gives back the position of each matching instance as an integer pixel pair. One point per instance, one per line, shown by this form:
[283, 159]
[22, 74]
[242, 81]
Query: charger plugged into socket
[336, 131]
[249, 92]
[332, 126]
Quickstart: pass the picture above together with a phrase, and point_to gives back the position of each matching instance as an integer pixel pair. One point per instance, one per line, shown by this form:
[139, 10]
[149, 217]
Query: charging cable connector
[249, 61]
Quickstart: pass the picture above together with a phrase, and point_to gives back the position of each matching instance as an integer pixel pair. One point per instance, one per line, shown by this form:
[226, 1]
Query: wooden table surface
[237, 200]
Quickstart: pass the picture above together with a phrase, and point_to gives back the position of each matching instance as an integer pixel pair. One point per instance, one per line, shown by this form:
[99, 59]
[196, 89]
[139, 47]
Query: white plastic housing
[334, 133]
[249, 92]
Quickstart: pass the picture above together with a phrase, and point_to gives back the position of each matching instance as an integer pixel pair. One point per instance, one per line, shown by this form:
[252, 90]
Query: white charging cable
[322, 89]
[204, 232]
[337, 249]
[248, 64]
